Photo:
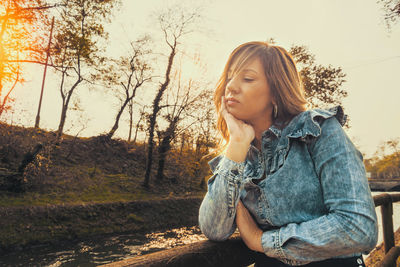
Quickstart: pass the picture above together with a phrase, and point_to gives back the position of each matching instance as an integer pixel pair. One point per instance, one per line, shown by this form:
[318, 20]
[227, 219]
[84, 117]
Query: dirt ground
[378, 253]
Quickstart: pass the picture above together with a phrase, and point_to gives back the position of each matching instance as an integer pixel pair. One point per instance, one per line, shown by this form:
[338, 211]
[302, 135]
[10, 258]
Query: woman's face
[247, 94]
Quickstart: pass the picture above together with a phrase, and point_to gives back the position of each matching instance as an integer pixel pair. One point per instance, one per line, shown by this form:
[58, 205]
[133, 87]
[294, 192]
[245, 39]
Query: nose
[232, 86]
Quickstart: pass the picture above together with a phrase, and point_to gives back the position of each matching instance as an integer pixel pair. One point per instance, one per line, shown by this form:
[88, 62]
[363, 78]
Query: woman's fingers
[238, 129]
[224, 111]
[229, 118]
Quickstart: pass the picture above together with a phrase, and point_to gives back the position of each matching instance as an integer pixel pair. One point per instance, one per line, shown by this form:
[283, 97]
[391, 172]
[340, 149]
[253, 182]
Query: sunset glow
[359, 43]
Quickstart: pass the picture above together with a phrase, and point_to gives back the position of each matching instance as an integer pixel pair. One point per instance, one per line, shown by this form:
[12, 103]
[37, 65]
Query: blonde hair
[282, 77]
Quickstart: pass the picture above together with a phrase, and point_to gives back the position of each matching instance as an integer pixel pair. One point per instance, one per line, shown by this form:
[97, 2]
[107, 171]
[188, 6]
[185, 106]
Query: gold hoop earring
[275, 111]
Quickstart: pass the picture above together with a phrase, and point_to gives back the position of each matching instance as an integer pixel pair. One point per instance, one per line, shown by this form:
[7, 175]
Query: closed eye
[248, 79]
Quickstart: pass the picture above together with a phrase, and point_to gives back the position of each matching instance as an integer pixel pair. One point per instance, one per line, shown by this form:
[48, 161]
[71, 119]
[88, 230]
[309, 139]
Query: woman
[290, 179]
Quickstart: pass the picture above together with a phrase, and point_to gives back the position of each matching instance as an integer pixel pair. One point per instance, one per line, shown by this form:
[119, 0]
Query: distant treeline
[384, 165]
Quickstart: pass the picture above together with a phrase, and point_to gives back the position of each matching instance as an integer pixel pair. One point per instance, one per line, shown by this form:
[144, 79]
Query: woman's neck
[259, 128]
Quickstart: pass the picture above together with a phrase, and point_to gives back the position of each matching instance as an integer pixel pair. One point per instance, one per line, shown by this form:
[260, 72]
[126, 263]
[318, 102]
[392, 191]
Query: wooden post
[387, 223]
[44, 76]
[390, 258]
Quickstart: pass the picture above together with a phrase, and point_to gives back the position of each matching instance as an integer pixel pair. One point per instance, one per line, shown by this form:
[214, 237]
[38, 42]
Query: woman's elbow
[211, 231]
[214, 235]
[214, 221]
[366, 238]
[371, 239]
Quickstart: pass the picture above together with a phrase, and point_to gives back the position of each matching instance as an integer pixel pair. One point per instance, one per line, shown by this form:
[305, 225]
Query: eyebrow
[244, 70]
[250, 70]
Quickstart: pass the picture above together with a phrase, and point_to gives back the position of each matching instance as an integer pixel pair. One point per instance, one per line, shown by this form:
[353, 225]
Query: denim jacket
[315, 202]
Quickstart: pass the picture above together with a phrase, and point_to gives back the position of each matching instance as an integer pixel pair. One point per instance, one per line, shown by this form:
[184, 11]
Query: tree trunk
[115, 126]
[156, 108]
[5, 99]
[136, 131]
[130, 130]
[198, 145]
[150, 145]
[163, 150]
[130, 122]
[62, 120]
[65, 108]
[182, 143]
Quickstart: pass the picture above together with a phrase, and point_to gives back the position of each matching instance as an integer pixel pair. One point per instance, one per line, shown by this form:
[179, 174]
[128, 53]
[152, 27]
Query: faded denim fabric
[315, 202]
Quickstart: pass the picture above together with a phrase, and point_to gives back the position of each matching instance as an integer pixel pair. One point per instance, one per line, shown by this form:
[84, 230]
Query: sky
[347, 34]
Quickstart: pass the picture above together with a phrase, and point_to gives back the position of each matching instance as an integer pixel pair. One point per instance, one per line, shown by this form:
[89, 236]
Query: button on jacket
[314, 202]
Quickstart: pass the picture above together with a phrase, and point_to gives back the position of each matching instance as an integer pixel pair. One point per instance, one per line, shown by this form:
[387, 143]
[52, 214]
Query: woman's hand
[240, 135]
[239, 131]
[249, 231]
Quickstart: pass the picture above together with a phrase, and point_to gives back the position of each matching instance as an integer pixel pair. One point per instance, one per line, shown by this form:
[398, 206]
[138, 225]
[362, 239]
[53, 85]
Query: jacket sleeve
[349, 225]
[218, 209]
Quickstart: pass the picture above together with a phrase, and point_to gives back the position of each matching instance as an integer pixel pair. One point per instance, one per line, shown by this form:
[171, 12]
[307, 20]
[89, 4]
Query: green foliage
[78, 41]
[385, 165]
[386, 168]
[36, 172]
[79, 29]
[190, 167]
[134, 218]
[322, 84]
[391, 9]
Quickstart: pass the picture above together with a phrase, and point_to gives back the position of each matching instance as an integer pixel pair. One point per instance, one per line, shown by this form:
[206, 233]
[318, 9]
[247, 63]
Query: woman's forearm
[218, 209]
[249, 231]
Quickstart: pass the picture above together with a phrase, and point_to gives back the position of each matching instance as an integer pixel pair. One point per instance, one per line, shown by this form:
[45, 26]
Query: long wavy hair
[282, 76]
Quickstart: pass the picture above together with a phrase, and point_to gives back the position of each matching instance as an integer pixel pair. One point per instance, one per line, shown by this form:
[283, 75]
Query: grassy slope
[91, 170]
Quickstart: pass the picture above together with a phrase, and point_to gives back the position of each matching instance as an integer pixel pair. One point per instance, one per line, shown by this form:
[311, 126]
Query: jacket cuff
[270, 241]
[233, 173]
[231, 168]
[222, 163]
[227, 167]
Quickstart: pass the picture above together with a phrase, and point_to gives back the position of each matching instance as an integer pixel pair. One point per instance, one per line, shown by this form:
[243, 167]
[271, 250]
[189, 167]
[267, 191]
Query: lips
[231, 100]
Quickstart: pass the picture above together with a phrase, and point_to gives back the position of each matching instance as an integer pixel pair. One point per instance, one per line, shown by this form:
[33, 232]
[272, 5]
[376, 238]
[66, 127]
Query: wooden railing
[234, 252]
[392, 252]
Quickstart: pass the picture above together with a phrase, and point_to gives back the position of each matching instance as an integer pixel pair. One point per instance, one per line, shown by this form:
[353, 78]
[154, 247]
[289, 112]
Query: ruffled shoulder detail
[304, 127]
[336, 112]
[308, 123]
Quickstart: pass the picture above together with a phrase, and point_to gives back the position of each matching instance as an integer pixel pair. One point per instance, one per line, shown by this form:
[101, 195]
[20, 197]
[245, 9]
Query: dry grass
[96, 169]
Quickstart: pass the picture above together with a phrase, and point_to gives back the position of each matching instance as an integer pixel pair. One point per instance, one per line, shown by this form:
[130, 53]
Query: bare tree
[183, 103]
[133, 73]
[202, 133]
[175, 23]
[76, 50]
[139, 124]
